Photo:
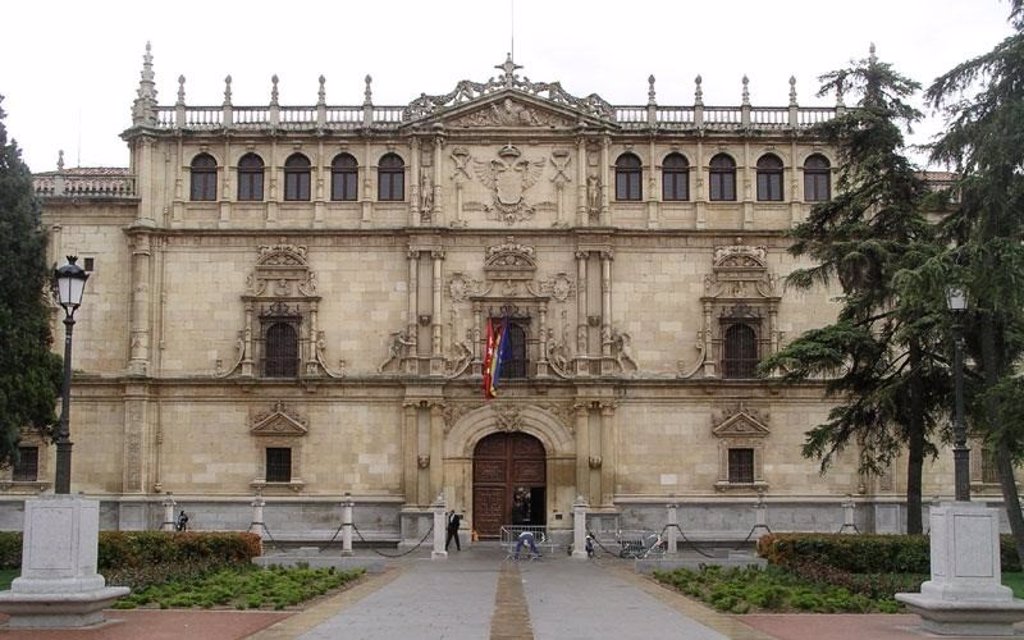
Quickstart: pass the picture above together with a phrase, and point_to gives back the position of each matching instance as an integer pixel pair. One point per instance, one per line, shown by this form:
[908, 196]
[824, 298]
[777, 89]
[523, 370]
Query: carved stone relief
[507, 178]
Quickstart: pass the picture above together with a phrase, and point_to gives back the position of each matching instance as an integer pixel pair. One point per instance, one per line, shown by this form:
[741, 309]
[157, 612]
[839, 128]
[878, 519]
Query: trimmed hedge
[867, 554]
[120, 550]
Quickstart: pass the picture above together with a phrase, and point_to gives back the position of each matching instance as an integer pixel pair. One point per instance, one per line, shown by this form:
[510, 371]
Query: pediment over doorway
[741, 425]
[279, 421]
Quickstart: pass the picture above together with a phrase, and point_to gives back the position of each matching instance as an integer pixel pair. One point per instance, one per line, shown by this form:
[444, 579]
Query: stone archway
[509, 482]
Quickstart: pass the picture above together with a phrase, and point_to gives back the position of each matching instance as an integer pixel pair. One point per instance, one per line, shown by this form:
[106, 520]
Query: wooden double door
[509, 478]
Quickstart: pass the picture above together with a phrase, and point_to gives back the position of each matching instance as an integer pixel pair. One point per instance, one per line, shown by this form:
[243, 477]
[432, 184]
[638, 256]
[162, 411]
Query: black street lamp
[956, 300]
[70, 287]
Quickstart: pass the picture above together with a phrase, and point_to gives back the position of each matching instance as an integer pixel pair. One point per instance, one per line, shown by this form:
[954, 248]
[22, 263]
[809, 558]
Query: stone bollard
[169, 504]
[439, 507]
[672, 533]
[257, 516]
[346, 525]
[579, 528]
[849, 526]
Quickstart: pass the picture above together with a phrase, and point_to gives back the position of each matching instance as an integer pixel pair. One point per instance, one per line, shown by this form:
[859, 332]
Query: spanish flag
[496, 351]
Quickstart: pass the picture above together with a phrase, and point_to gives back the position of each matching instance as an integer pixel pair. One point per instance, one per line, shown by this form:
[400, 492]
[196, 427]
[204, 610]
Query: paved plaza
[476, 594]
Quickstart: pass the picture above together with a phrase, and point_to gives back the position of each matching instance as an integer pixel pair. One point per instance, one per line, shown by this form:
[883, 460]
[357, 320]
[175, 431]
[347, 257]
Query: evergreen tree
[984, 142]
[878, 358]
[30, 374]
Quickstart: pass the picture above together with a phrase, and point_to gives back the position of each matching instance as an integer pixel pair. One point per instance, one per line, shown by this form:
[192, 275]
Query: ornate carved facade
[294, 300]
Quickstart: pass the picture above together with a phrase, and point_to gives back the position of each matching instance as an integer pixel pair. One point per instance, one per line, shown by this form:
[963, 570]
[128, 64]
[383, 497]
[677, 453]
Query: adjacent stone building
[293, 302]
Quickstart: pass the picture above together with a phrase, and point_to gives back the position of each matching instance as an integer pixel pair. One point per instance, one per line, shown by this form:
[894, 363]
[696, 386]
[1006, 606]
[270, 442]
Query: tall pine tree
[30, 374]
[878, 358]
[983, 99]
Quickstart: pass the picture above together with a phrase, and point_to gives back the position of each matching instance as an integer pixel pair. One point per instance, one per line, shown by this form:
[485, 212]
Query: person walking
[454, 522]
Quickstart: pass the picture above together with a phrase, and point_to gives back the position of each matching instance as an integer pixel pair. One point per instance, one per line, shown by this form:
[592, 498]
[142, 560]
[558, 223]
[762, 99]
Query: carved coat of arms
[507, 178]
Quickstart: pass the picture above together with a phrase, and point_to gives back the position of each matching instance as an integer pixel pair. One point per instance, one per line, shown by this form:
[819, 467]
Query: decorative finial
[273, 90]
[792, 91]
[181, 90]
[227, 90]
[746, 91]
[321, 95]
[60, 160]
[839, 91]
[872, 58]
[144, 107]
[509, 69]
[650, 90]
[698, 93]
[368, 93]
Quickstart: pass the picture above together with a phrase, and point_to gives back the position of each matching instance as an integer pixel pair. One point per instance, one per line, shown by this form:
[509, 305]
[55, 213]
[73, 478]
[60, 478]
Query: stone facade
[623, 274]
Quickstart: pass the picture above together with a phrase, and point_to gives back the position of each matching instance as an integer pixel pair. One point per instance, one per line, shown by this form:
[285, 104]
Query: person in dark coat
[454, 522]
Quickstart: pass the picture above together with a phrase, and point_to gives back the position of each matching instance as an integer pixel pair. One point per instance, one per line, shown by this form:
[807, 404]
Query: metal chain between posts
[395, 555]
[686, 540]
[263, 526]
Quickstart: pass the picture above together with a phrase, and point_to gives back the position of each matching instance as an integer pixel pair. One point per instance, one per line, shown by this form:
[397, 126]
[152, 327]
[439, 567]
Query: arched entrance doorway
[509, 481]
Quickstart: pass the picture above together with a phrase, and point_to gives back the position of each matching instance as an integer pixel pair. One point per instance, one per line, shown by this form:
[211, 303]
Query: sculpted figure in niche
[426, 193]
[593, 194]
[622, 351]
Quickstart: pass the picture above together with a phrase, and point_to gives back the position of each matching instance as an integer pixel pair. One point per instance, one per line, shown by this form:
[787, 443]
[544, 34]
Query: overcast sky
[70, 68]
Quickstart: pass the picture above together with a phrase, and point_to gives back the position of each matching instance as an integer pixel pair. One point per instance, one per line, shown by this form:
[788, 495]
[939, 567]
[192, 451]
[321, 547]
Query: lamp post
[70, 287]
[956, 300]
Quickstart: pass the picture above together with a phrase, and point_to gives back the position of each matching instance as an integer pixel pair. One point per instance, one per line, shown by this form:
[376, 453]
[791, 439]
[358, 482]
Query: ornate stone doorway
[509, 482]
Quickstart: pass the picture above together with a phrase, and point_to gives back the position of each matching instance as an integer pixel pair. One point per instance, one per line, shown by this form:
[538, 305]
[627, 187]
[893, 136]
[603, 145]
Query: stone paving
[477, 594]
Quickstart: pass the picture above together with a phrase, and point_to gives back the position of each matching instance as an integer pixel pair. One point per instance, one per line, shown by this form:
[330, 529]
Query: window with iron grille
[296, 177]
[769, 178]
[26, 467]
[281, 351]
[250, 177]
[722, 175]
[740, 347]
[675, 178]
[817, 179]
[204, 177]
[344, 177]
[741, 466]
[279, 464]
[391, 178]
[628, 174]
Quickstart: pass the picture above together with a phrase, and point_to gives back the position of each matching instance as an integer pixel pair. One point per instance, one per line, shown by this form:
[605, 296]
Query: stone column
[582, 449]
[410, 451]
[134, 464]
[412, 180]
[606, 181]
[437, 313]
[606, 307]
[440, 529]
[140, 305]
[579, 528]
[412, 312]
[366, 195]
[582, 347]
[437, 212]
[607, 453]
[346, 525]
[581, 181]
[436, 448]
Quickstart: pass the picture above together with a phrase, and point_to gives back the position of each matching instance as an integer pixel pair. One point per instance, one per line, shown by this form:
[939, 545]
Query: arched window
[250, 177]
[675, 177]
[296, 177]
[628, 171]
[344, 177]
[517, 364]
[722, 174]
[391, 178]
[281, 351]
[204, 177]
[817, 179]
[769, 178]
[740, 357]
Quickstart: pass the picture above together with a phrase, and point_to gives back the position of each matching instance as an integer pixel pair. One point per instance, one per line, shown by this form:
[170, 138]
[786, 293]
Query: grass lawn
[1016, 582]
[6, 575]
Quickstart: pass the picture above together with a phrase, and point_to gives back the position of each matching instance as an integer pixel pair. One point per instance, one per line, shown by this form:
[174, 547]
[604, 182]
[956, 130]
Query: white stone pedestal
[965, 596]
[59, 586]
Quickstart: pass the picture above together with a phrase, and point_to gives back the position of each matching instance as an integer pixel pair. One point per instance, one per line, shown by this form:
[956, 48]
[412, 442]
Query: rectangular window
[26, 469]
[90, 264]
[741, 466]
[204, 185]
[391, 186]
[769, 187]
[296, 185]
[675, 186]
[279, 464]
[343, 186]
[816, 187]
